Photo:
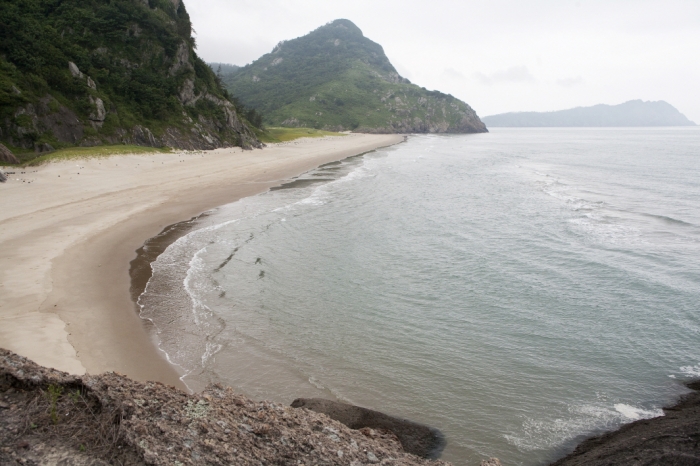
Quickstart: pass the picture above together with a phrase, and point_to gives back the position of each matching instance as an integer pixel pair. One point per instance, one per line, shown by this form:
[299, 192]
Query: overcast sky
[496, 55]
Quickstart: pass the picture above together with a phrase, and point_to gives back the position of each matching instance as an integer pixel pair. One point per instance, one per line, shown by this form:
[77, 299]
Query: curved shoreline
[67, 239]
[141, 272]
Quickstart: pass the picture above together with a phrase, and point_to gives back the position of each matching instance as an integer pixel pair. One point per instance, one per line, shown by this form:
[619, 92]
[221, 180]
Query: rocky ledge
[673, 439]
[50, 417]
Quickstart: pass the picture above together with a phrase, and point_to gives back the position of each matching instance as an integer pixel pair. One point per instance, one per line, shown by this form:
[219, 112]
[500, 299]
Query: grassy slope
[270, 135]
[76, 153]
[276, 134]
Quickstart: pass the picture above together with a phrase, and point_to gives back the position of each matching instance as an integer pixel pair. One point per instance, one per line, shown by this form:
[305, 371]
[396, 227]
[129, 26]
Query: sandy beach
[69, 229]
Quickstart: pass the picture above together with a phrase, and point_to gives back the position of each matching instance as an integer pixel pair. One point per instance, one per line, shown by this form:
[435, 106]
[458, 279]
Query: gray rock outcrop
[97, 117]
[47, 115]
[182, 59]
[419, 439]
[672, 439]
[6, 155]
[74, 70]
[187, 95]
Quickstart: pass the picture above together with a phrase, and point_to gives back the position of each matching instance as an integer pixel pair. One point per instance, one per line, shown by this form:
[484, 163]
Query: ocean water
[518, 290]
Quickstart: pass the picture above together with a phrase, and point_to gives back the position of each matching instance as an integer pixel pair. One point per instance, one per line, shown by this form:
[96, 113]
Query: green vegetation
[93, 152]
[136, 57]
[277, 134]
[335, 78]
[54, 393]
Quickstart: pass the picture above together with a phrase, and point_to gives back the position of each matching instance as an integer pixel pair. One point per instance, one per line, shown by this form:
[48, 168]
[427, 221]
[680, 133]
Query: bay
[518, 290]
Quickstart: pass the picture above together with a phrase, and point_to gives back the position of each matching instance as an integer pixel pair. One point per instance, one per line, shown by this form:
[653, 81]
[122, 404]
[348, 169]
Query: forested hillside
[335, 78]
[89, 72]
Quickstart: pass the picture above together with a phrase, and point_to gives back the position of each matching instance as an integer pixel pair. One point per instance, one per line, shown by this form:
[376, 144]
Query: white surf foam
[692, 371]
[194, 286]
[545, 434]
[633, 414]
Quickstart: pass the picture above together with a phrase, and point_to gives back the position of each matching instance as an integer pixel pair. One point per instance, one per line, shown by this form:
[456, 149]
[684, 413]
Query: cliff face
[46, 415]
[99, 71]
[335, 78]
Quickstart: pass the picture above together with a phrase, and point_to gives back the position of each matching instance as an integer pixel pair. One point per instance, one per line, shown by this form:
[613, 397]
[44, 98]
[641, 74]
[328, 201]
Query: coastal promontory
[335, 78]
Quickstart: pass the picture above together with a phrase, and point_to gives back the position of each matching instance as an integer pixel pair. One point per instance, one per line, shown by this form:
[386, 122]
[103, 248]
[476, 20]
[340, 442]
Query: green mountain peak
[336, 78]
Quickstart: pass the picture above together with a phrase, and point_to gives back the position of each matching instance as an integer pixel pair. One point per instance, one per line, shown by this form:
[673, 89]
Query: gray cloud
[570, 82]
[452, 73]
[514, 74]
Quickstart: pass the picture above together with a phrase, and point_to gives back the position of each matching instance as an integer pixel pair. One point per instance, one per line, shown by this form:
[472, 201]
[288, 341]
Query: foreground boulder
[415, 438]
[47, 415]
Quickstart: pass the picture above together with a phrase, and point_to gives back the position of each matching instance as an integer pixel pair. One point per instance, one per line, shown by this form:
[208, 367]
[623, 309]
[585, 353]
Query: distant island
[632, 113]
[335, 78]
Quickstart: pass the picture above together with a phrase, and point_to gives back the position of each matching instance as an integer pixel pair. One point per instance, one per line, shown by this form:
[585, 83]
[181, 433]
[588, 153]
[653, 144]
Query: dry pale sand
[70, 229]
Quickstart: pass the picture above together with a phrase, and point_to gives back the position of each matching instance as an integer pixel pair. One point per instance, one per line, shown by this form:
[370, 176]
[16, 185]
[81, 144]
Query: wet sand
[69, 230]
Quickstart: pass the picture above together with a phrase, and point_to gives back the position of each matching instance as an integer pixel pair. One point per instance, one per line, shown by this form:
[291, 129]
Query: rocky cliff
[335, 78]
[50, 417]
[99, 71]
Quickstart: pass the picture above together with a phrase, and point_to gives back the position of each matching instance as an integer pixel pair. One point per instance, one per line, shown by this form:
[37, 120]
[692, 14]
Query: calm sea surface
[518, 290]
